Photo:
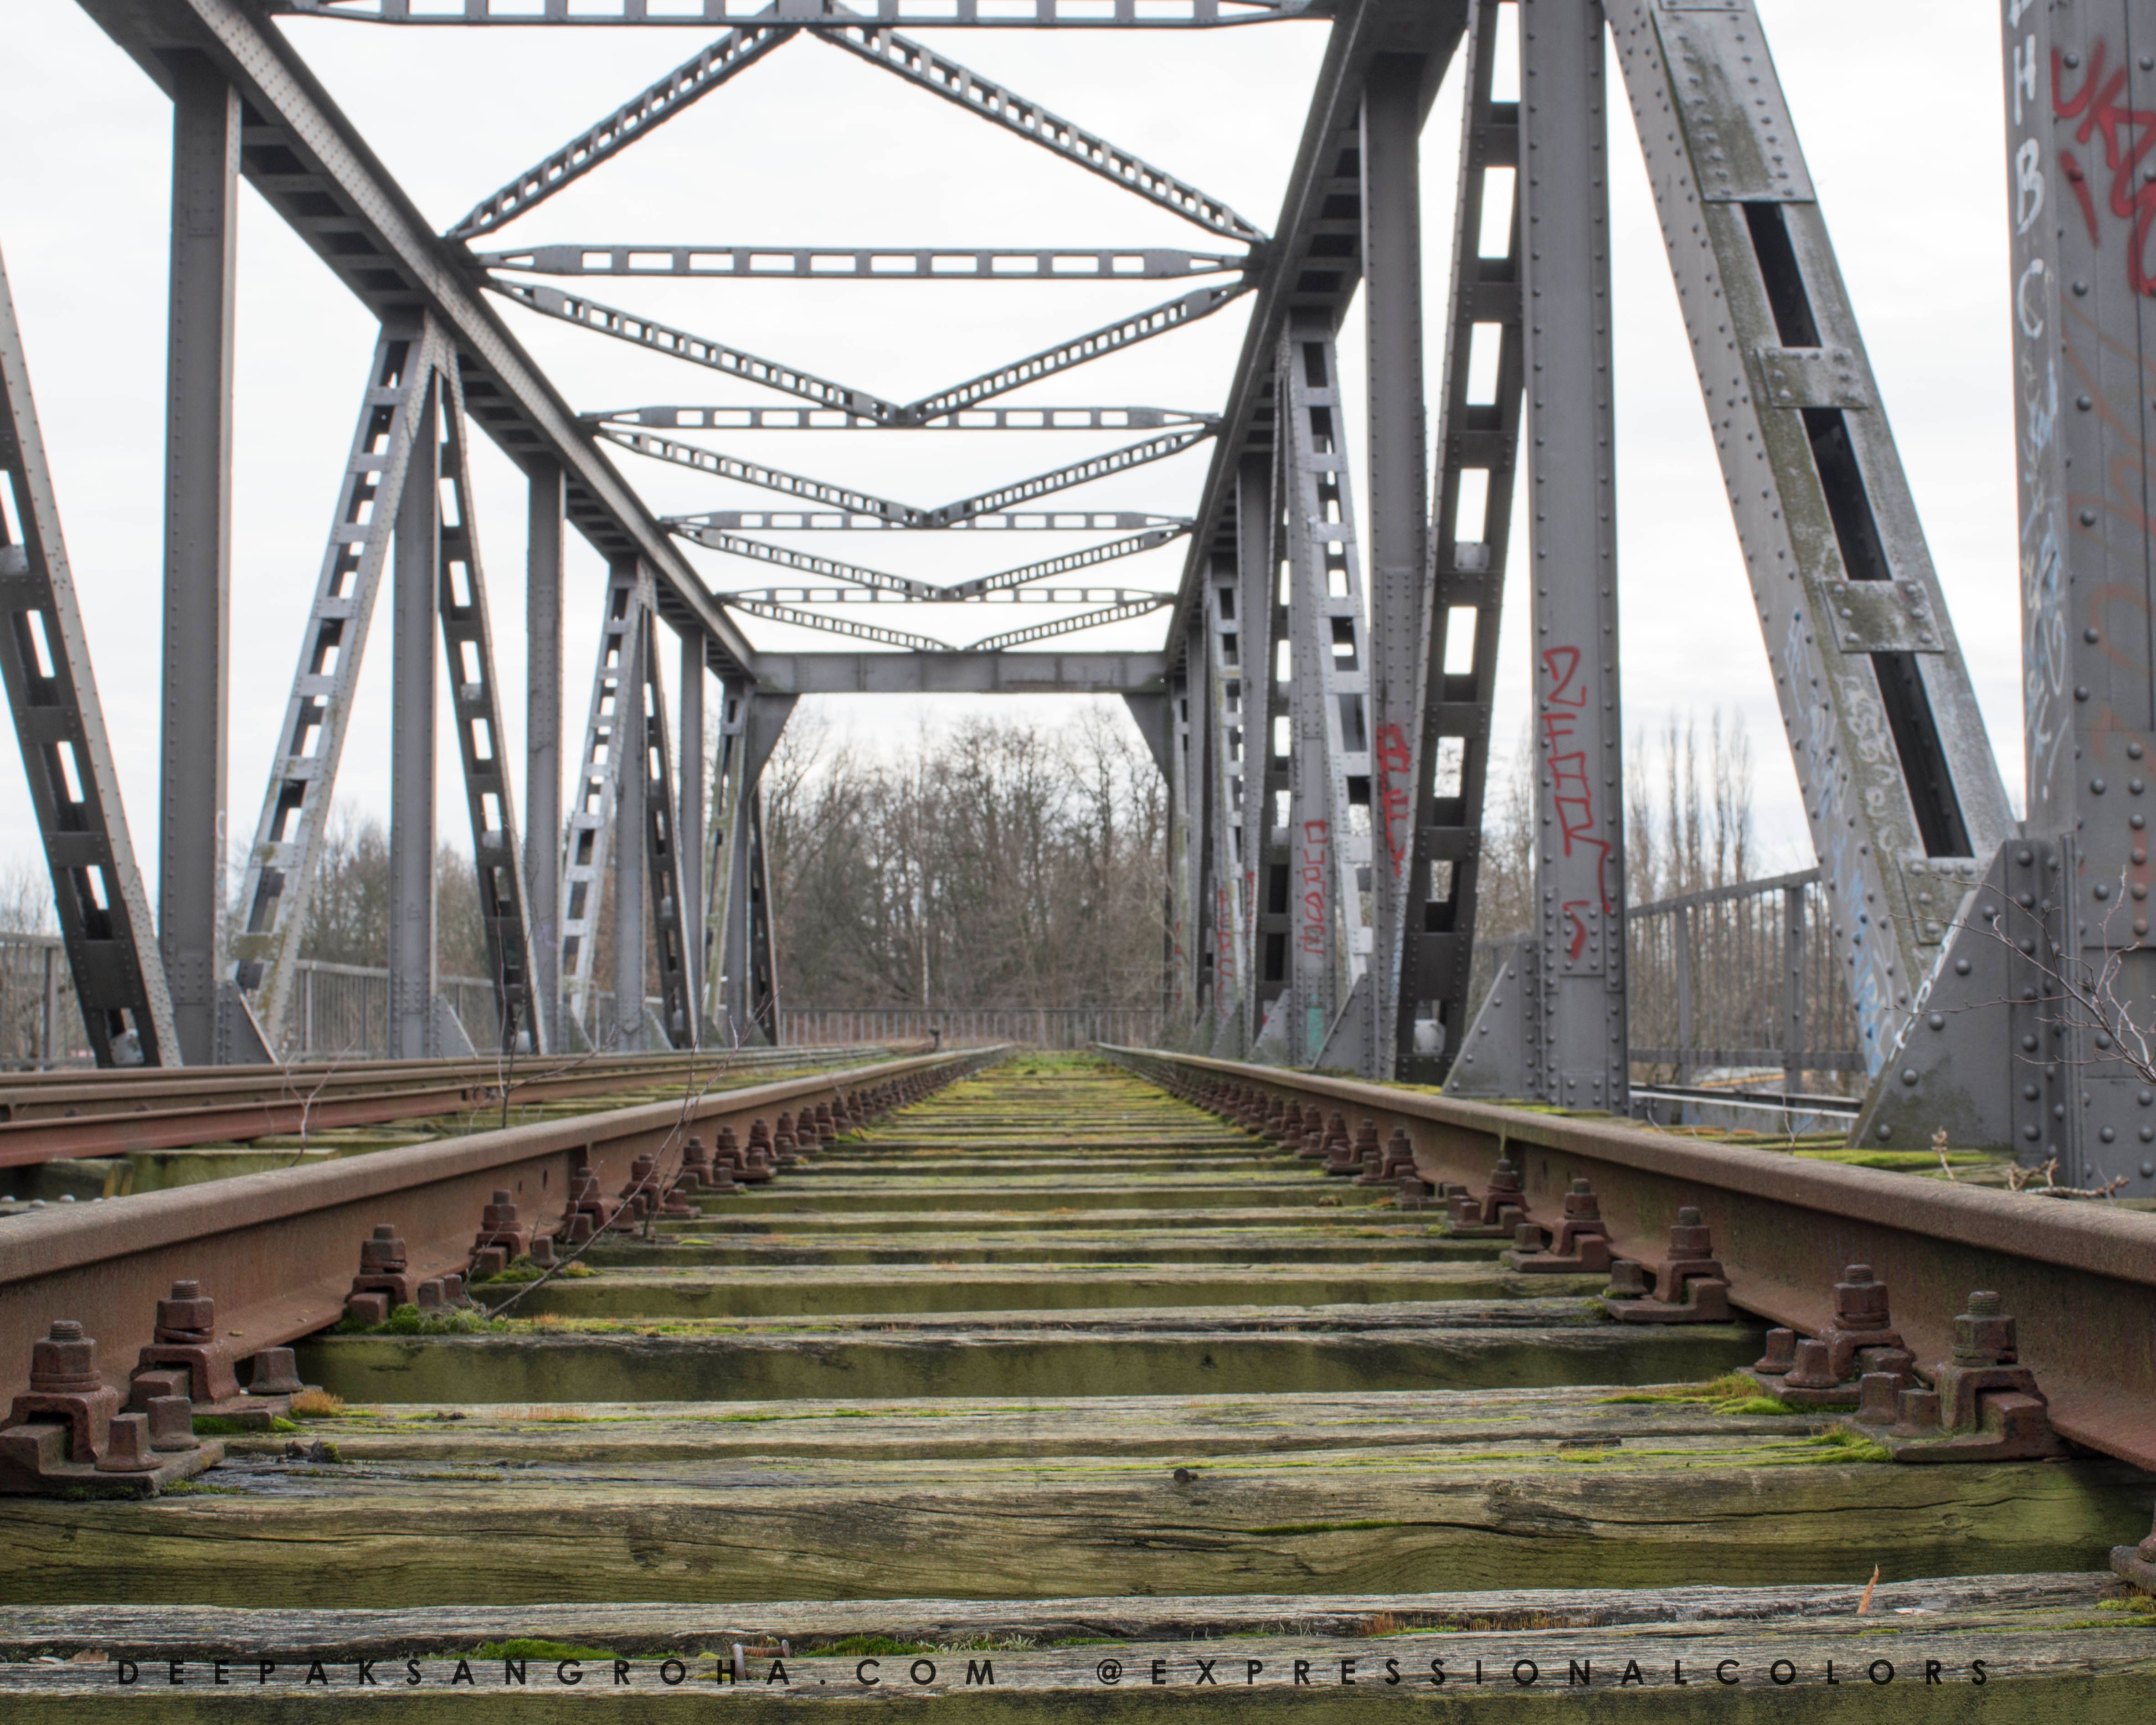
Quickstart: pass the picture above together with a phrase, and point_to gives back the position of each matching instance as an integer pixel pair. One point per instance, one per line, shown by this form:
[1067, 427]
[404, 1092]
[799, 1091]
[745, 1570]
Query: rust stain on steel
[2080, 1277]
[278, 1251]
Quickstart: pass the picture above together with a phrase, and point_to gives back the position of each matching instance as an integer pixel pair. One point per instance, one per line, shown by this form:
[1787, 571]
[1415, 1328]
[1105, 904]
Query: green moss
[522, 1269]
[532, 1647]
[411, 1321]
[197, 1488]
[217, 1425]
[869, 1646]
[1838, 1443]
[280, 1424]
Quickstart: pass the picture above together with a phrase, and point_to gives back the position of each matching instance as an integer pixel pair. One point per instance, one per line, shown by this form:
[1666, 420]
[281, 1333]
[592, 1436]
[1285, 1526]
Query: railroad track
[1057, 1386]
[47, 1117]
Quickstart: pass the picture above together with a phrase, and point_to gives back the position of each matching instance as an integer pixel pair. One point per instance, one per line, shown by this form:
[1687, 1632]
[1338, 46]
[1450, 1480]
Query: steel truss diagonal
[1224, 962]
[696, 350]
[610, 732]
[837, 625]
[662, 854]
[1264, 860]
[904, 515]
[832, 569]
[281, 866]
[1009, 596]
[1110, 338]
[808, 564]
[1038, 14]
[1138, 606]
[1328, 709]
[991, 101]
[770, 478]
[781, 263]
[1477, 447]
[67, 756]
[1058, 521]
[475, 697]
[1063, 479]
[709, 419]
[1900, 787]
[687, 83]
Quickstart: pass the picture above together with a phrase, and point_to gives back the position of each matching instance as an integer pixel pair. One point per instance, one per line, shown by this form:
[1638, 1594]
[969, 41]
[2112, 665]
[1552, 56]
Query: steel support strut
[662, 853]
[542, 738]
[1265, 859]
[67, 758]
[1328, 708]
[280, 867]
[1229, 678]
[1572, 538]
[475, 697]
[1392, 280]
[415, 607]
[1477, 448]
[632, 789]
[197, 622]
[589, 834]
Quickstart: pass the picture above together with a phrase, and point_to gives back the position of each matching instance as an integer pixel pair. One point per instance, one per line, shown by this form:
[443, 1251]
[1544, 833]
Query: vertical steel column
[690, 835]
[631, 786]
[1793, 989]
[1580, 780]
[1178, 989]
[197, 620]
[2080, 103]
[662, 853]
[1228, 682]
[735, 699]
[1258, 551]
[1477, 453]
[748, 972]
[414, 602]
[1329, 773]
[1400, 484]
[542, 735]
[67, 758]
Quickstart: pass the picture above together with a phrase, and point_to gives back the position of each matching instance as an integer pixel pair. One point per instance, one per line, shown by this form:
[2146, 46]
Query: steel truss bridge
[1320, 705]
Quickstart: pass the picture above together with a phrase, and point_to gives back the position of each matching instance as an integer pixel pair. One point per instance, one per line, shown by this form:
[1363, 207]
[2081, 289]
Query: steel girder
[1263, 859]
[612, 721]
[740, 988]
[785, 263]
[309, 163]
[962, 14]
[1901, 790]
[750, 418]
[662, 853]
[1470, 531]
[962, 673]
[2000, 1049]
[67, 756]
[264, 946]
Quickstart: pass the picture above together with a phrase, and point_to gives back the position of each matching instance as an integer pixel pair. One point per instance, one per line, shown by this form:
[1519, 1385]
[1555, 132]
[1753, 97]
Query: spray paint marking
[2098, 108]
[1317, 857]
[1395, 768]
[1572, 785]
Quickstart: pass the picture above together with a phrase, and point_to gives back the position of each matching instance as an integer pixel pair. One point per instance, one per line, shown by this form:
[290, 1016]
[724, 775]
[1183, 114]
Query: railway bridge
[1370, 1336]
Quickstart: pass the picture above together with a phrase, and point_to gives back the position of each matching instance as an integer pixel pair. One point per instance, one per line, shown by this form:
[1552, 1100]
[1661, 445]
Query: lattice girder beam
[807, 263]
[1044, 521]
[674, 417]
[104, 910]
[1228, 680]
[955, 14]
[1901, 790]
[475, 701]
[661, 854]
[263, 948]
[1477, 447]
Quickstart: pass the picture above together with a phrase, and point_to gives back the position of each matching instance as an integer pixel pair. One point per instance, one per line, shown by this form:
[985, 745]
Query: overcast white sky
[812, 147]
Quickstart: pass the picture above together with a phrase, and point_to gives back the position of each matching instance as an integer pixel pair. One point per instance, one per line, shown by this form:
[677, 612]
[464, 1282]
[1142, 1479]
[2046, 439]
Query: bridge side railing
[1732, 977]
[972, 1027]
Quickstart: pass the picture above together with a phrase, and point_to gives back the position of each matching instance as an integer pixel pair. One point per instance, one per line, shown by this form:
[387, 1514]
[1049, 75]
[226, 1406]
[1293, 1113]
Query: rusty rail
[2080, 1277]
[112, 1114]
[277, 1251]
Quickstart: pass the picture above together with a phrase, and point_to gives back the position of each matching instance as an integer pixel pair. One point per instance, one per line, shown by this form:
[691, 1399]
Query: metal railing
[1730, 977]
[40, 1025]
[973, 1027]
[344, 1010]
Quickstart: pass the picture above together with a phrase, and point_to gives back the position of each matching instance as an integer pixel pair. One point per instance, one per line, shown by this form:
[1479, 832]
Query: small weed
[316, 1404]
[217, 1425]
[874, 1645]
[1838, 1443]
[411, 1321]
[197, 1488]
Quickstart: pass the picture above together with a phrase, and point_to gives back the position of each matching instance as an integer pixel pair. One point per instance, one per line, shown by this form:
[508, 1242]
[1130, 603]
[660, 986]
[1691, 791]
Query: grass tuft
[316, 1404]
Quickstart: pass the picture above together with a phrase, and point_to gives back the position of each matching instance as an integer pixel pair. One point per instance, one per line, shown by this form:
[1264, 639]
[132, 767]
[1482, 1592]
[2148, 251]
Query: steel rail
[278, 1251]
[2079, 1278]
[76, 1121]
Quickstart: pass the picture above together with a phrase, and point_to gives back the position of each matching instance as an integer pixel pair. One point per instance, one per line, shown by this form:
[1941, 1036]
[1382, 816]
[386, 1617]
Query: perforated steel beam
[962, 673]
[1900, 791]
[542, 736]
[1477, 448]
[67, 756]
[790, 263]
[962, 14]
[588, 836]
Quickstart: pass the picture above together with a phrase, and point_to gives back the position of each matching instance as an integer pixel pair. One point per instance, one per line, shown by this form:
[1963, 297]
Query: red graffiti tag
[1572, 784]
[1395, 764]
[1224, 938]
[1578, 944]
[1316, 850]
[2097, 106]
